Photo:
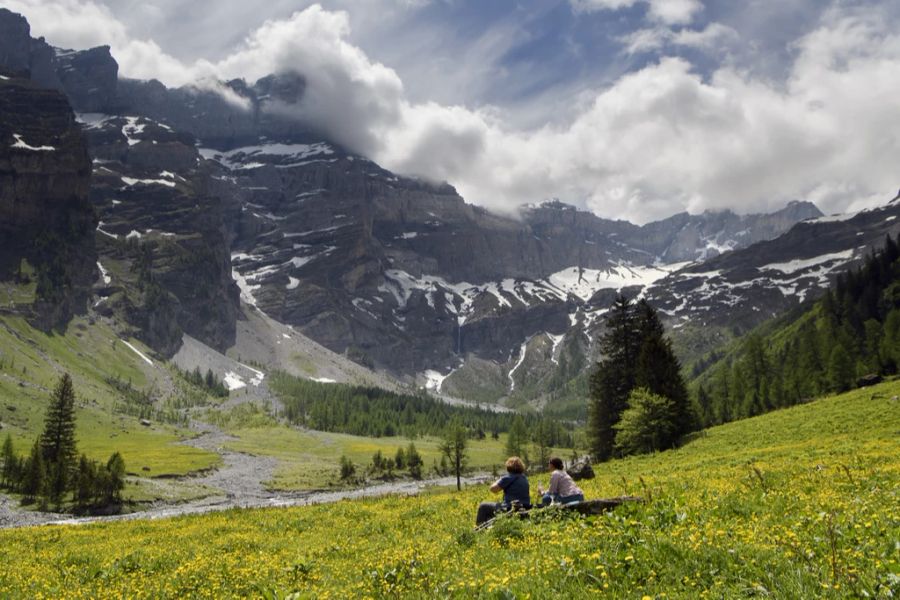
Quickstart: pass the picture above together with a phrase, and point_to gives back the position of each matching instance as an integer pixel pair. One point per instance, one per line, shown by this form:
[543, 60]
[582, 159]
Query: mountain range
[209, 222]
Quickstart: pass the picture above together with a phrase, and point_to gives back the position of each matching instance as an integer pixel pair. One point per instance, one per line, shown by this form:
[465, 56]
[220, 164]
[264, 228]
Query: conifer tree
[58, 439]
[613, 379]
[517, 439]
[8, 476]
[34, 478]
[414, 461]
[840, 369]
[85, 481]
[658, 370]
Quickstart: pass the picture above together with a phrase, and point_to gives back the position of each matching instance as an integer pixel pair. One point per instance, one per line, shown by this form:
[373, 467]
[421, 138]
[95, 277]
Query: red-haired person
[562, 489]
[514, 486]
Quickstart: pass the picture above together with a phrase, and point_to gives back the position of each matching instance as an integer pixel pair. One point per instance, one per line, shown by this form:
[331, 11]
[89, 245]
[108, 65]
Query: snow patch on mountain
[22, 145]
[799, 264]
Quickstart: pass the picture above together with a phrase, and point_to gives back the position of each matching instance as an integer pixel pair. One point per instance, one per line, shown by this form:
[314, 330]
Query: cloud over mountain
[664, 136]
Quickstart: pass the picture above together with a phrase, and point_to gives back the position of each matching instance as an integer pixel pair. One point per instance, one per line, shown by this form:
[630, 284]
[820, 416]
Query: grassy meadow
[798, 503]
[310, 459]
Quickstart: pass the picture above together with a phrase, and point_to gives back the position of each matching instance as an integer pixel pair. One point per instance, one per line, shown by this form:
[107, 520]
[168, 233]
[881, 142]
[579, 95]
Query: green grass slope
[31, 363]
[797, 503]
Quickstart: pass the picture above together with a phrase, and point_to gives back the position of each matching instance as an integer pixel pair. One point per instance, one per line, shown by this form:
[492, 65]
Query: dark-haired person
[514, 486]
[562, 489]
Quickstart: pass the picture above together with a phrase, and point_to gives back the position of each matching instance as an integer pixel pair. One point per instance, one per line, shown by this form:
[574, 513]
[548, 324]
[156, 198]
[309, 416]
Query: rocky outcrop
[22, 54]
[89, 78]
[224, 115]
[46, 218]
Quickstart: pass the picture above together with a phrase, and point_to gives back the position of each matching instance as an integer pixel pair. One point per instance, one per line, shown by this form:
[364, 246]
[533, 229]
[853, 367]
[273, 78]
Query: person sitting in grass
[514, 486]
[562, 489]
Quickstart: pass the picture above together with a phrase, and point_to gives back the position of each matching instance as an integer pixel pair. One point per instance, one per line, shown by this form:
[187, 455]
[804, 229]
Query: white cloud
[668, 12]
[674, 12]
[658, 140]
[83, 24]
[714, 37]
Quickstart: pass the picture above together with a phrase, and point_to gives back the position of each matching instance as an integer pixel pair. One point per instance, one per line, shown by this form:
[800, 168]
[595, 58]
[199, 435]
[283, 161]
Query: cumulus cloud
[660, 139]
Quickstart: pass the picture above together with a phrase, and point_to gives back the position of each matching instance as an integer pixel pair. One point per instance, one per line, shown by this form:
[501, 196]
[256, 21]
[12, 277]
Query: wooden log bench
[588, 507]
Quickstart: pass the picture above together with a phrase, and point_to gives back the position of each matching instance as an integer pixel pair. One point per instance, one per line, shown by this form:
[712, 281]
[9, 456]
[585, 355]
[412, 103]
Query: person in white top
[562, 489]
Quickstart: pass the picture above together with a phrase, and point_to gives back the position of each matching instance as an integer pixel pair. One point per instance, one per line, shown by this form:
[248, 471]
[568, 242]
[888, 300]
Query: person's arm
[500, 484]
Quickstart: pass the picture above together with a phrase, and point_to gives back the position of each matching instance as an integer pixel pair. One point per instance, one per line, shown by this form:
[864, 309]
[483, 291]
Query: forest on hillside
[848, 337]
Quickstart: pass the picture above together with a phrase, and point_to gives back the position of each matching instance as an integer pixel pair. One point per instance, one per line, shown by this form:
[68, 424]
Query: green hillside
[848, 337]
[31, 363]
[798, 503]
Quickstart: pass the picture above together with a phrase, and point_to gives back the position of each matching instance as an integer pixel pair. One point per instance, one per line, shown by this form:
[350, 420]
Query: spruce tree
[34, 477]
[840, 369]
[613, 379]
[414, 461]
[517, 438]
[85, 481]
[658, 370]
[8, 475]
[58, 440]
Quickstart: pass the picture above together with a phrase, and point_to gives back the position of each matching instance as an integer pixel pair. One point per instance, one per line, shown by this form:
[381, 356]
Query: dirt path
[240, 478]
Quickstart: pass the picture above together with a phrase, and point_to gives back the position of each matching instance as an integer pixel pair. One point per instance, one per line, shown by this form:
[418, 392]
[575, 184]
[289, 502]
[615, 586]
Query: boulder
[581, 470]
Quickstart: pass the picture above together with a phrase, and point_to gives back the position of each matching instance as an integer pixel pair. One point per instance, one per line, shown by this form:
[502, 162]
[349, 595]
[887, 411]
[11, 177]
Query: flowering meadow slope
[798, 503]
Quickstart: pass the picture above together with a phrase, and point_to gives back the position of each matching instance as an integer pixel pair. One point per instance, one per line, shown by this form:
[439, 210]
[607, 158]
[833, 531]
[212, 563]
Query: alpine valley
[207, 223]
[226, 301]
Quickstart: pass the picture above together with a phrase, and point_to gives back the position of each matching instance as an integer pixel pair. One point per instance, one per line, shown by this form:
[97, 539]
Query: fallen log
[588, 507]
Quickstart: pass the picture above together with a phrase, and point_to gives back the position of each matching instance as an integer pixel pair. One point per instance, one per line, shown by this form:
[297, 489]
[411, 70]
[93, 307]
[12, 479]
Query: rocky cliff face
[406, 276]
[88, 77]
[46, 218]
[161, 237]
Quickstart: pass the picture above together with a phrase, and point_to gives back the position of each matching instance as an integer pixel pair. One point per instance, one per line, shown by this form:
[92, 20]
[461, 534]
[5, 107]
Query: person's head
[556, 463]
[514, 464]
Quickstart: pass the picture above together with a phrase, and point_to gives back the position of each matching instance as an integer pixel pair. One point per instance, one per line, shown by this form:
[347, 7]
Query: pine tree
[613, 379]
[9, 475]
[543, 439]
[517, 438]
[400, 459]
[658, 370]
[58, 439]
[348, 469]
[840, 369]
[85, 481]
[414, 461]
[34, 477]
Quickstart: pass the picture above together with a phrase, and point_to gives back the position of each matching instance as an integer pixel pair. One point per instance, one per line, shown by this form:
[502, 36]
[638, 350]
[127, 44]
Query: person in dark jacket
[514, 486]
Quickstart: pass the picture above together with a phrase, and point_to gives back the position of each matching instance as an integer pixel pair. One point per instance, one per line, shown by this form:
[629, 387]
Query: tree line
[375, 412]
[53, 468]
[850, 336]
